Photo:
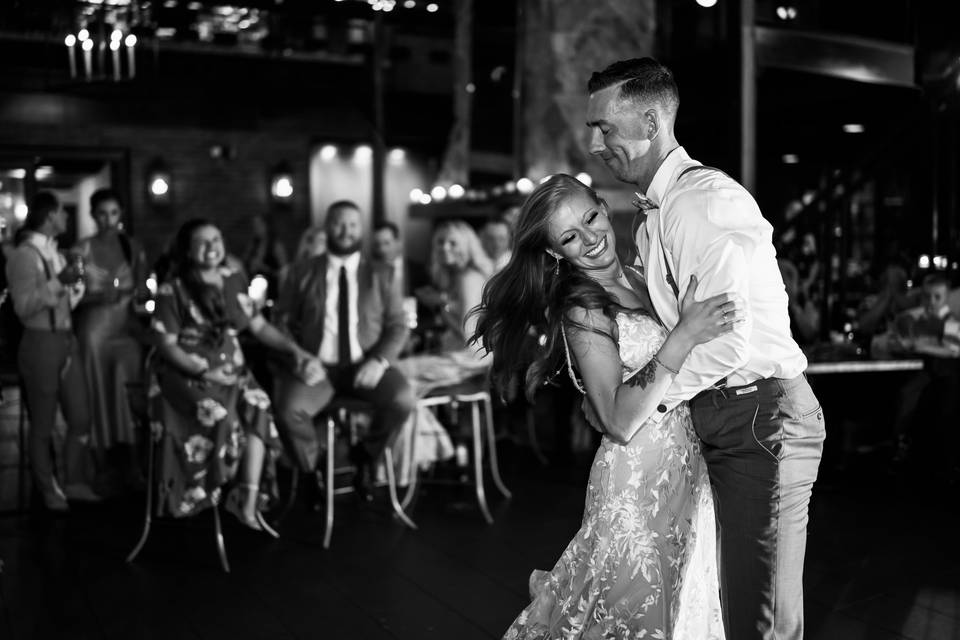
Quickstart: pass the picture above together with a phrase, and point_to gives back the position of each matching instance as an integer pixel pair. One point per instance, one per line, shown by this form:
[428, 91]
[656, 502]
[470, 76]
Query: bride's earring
[556, 270]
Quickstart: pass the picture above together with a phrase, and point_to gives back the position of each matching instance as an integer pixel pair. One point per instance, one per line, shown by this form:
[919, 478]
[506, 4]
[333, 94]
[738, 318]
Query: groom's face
[619, 134]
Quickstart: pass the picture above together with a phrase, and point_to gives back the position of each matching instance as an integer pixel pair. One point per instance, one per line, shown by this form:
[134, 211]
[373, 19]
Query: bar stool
[344, 412]
[472, 394]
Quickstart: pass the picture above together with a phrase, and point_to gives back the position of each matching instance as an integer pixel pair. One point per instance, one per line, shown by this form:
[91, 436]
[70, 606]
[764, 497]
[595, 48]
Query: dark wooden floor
[883, 562]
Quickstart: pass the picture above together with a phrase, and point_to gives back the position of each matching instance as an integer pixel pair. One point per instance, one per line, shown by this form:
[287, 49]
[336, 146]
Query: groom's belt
[724, 387]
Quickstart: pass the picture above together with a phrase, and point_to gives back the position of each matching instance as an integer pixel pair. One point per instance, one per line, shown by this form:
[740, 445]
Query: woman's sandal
[234, 505]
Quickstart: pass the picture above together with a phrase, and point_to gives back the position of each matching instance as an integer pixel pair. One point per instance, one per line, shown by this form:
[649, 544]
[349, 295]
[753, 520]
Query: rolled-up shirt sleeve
[712, 234]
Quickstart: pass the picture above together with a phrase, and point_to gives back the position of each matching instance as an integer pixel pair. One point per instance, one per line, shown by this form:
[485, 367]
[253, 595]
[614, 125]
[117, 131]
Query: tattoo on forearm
[645, 376]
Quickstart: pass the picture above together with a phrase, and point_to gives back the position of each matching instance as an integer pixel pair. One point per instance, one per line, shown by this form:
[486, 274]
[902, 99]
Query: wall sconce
[281, 184]
[159, 183]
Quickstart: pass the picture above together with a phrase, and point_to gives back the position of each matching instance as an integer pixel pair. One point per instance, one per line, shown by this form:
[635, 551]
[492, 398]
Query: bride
[643, 564]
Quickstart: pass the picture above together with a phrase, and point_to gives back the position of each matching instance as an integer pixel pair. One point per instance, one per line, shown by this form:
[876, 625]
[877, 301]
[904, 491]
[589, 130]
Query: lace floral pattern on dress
[643, 564]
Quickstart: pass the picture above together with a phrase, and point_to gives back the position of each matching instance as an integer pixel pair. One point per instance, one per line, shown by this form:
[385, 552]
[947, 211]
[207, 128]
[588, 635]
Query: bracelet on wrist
[670, 369]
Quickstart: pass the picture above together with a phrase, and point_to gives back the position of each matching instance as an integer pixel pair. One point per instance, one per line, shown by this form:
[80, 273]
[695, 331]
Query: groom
[761, 426]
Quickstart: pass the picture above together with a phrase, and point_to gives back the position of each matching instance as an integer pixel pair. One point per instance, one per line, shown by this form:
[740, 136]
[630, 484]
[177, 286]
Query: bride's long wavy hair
[519, 319]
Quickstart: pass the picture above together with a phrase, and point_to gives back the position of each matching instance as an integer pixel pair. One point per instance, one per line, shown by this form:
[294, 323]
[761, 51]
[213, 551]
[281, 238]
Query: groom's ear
[652, 123]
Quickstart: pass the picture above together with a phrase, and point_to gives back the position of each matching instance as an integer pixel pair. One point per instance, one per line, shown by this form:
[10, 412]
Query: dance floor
[883, 562]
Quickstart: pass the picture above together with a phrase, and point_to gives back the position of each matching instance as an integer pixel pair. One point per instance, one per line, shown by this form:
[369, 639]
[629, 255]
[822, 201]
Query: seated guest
[44, 289]
[114, 267]
[879, 311]
[387, 252]
[217, 421]
[496, 237]
[345, 310]
[804, 315]
[933, 333]
[313, 242]
[459, 269]
[265, 255]
[406, 275]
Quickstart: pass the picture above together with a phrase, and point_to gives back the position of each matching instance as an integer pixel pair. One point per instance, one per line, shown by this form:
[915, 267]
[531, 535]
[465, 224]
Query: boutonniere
[643, 203]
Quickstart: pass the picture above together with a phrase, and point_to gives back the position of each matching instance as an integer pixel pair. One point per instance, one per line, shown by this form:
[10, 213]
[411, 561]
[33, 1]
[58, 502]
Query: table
[863, 366]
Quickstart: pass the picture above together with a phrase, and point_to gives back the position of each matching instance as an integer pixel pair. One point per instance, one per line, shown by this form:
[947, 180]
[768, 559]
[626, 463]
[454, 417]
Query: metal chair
[343, 412]
[469, 393]
[138, 396]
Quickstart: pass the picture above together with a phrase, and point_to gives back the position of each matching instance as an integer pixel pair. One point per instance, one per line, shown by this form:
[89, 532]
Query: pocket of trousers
[767, 427]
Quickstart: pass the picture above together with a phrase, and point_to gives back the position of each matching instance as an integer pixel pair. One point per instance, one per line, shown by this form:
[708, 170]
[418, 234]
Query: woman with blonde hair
[459, 268]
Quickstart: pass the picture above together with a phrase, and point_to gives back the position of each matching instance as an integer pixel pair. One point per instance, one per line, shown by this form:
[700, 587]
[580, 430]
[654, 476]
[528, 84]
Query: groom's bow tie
[643, 203]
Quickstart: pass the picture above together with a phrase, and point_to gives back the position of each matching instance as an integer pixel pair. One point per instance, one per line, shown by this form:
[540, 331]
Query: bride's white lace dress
[643, 564]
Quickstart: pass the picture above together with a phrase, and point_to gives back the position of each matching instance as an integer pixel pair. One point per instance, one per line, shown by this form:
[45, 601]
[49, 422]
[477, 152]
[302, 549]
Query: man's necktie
[343, 320]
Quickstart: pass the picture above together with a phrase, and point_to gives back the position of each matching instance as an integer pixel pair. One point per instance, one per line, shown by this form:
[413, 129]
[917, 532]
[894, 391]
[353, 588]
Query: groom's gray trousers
[762, 443]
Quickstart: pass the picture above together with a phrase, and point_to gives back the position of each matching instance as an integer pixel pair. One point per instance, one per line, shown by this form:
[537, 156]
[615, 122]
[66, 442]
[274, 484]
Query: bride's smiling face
[580, 231]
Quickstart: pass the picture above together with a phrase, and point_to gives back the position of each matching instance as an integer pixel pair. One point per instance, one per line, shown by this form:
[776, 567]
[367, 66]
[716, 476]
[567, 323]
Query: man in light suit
[761, 425]
[349, 313]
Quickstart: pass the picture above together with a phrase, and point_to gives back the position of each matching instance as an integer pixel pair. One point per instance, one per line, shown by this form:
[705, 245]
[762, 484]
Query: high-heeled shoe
[53, 498]
[234, 504]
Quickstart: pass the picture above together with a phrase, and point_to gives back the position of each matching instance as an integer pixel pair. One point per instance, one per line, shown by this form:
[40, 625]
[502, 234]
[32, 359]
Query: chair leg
[22, 452]
[292, 498]
[412, 462]
[478, 462]
[218, 530]
[148, 516]
[392, 484]
[532, 436]
[328, 528]
[492, 442]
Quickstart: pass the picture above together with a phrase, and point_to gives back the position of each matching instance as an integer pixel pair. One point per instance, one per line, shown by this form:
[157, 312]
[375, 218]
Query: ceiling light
[854, 127]
[524, 185]
[706, 3]
[362, 154]
[328, 152]
[790, 158]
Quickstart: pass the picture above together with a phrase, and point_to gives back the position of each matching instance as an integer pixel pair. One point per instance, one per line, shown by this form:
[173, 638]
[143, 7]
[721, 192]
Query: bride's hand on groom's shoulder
[707, 319]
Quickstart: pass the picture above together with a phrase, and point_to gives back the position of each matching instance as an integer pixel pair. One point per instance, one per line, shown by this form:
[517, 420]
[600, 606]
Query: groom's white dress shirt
[708, 225]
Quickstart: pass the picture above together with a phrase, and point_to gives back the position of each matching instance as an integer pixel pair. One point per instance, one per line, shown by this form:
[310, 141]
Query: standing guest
[217, 421]
[114, 268]
[265, 255]
[346, 311]
[45, 288]
[497, 238]
[458, 270]
[387, 252]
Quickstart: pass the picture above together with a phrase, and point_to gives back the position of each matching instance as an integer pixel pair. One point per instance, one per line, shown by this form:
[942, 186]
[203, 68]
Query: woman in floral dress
[217, 423]
[643, 564]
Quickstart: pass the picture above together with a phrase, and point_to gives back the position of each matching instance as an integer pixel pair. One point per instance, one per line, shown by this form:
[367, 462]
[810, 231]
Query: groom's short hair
[643, 80]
